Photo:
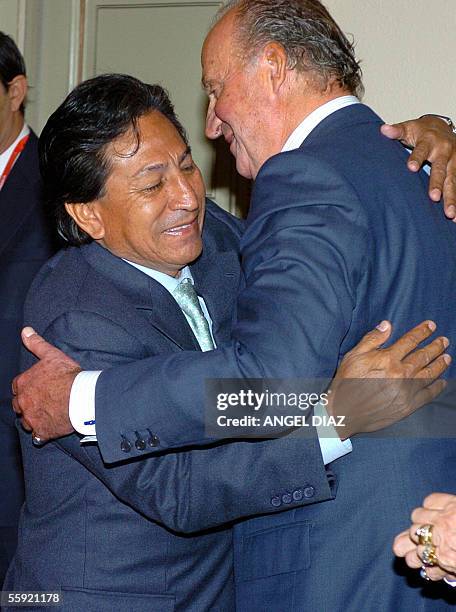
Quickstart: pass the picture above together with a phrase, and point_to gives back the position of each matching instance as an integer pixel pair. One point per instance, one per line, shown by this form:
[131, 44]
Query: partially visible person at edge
[155, 269]
[438, 514]
[25, 244]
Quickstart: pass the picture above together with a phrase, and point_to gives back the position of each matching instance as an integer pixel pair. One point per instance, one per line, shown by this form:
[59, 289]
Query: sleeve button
[153, 440]
[276, 501]
[298, 494]
[125, 445]
[287, 498]
[309, 492]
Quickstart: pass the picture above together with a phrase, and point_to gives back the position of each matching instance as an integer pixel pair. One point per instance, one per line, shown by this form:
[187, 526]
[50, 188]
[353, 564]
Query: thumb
[36, 344]
[374, 339]
[395, 131]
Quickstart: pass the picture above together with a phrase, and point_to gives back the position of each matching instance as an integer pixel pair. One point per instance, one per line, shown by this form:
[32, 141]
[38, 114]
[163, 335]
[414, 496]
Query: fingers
[412, 559]
[421, 358]
[449, 191]
[403, 544]
[435, 369]
[419, 156]
[438, 501]
[36, 344]
[395, 131]
[424, 516]
[427, 394]
[373, 339]
[410, 340]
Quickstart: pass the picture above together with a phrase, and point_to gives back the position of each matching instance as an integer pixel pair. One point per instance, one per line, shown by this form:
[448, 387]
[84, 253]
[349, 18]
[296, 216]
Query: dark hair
[11, 62]
[72, 146]
[311, 38]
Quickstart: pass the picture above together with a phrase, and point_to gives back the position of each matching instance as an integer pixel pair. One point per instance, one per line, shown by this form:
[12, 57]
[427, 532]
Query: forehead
[218, 54]
[156, 134]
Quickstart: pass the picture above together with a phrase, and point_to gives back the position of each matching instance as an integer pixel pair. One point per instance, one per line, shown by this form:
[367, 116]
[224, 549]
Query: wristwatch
[447, 120]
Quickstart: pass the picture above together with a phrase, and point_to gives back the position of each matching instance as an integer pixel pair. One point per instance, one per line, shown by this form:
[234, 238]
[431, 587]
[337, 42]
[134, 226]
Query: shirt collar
[303, 130]
[4, 157]
[169, 282]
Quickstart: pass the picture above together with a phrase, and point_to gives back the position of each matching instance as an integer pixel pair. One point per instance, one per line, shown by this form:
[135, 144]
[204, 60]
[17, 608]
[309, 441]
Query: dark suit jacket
[114, 537]
[357, 231]
[339, 236]
[25, 244]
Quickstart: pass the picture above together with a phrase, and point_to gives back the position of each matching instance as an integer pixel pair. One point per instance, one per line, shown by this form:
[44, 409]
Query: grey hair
[311, 38]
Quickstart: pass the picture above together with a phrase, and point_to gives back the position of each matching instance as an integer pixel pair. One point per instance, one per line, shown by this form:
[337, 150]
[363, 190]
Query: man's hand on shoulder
[376, 387]
[41, 394]
[432, 140]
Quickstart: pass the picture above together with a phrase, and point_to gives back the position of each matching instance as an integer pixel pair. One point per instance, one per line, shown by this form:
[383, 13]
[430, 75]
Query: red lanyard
[14, 155]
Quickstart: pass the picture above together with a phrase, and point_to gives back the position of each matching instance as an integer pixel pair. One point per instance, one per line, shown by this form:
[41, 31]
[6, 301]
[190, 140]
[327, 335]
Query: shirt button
[298, 494]
[287, 498]
[309, 492]
[275, 501]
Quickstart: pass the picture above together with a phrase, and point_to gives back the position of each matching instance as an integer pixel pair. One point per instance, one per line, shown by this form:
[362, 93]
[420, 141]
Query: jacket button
[298, 494]
[276, 501]
[287, 498]
[309, 492]
[125, 445]
[153, 440]
[140, 444]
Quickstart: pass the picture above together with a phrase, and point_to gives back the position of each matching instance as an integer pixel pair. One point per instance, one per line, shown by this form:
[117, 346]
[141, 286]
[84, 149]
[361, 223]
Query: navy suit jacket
[124, 536]
[357, 231]
[339, 236]
[25, 244]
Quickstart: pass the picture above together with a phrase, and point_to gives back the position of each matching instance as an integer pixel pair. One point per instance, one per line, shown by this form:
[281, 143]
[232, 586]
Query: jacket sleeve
[301, 275]
[197, 488]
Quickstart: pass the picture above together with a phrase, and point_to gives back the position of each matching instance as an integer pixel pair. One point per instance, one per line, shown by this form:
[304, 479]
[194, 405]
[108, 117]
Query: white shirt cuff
[451, 583]
[331, 446]
[82, 403]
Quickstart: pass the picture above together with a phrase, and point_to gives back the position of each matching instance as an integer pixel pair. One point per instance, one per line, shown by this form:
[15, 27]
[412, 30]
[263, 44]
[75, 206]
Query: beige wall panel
[408, 49]
[9, 17]
[160, 42]
[50, 52]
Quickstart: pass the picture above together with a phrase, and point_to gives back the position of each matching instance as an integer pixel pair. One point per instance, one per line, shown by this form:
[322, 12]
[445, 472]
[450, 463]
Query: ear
[275, 58]
[88, 218]
[17, 90]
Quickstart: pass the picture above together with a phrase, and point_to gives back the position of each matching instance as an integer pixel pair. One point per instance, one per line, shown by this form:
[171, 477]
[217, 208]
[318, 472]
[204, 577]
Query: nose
[184, 196]
[213, 124]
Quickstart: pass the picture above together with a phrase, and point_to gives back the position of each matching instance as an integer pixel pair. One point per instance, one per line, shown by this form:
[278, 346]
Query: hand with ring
[430, 543]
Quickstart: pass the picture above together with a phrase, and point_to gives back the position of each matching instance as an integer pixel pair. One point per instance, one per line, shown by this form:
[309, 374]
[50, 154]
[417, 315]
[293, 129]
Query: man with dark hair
[155, 269]
[25, 244]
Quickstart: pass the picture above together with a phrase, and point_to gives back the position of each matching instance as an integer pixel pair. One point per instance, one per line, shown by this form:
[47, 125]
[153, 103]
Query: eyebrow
[154, 167]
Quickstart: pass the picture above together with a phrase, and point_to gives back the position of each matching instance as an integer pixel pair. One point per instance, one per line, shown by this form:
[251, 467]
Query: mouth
[183, 229]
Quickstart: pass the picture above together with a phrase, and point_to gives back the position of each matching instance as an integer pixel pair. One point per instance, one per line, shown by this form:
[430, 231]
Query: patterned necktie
[185, 295]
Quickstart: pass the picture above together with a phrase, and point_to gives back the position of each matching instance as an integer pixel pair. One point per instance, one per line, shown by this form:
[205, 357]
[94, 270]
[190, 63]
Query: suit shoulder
[67, 282]
[295, 180]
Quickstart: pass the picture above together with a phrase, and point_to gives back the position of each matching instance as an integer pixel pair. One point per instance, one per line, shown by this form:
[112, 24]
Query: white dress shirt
[4, 157]
[82, 397]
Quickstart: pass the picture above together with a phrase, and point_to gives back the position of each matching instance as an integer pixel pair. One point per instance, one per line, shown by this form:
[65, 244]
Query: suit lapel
[152, 301]
[20, 192]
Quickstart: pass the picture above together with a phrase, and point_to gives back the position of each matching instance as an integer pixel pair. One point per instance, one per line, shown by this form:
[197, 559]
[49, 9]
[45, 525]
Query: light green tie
[185, 295]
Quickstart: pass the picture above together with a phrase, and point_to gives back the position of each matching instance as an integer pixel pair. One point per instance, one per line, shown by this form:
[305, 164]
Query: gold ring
[424, 534]
[429, 556]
